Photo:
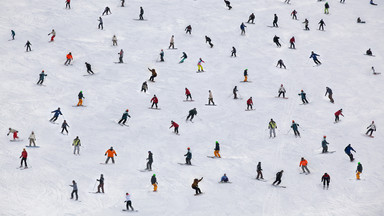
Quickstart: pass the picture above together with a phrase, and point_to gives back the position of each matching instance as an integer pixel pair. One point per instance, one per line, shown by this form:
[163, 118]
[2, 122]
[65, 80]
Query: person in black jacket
[326, 179]
[228, 4]
[233, 52]
[275, 19]
[217, 150]
[101, 184]
[141, 13]
[259, 173]
[188, 29]
[251, 18]
[89, 69]
[276, 41]
[329, 92]
[150, 161]
[208, 40]
[278, 178]
[106, 11]
[64, 127]
[192, 113]
[28, 45]
[154, 182]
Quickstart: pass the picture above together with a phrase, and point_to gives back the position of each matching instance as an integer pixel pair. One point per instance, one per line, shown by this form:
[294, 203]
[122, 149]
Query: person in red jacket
[249, 103]
[154, 101]
[23, 157]
[339, 112]
[292, 42]
[176, 126]
[67, 4]
[188, 94]
[326, 179]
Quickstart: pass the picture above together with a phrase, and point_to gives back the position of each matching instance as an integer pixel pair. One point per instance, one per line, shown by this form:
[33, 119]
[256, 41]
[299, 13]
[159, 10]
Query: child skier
[259, 171]
[330, 93]
[188, 94]
[76, 145]
[324, 144]
[56, 115]
[314, 57]
[281, 91]
[303, 164]
[153, 75]
[188, 156]
[326, 179]
[23, 157]
[154, 101]
[42, 75]
[249, 103]
[337, 114]
[191, 114]
[348, 150]
[53, 33]
[69, 59]
[154, 182]
[371, 128]
[64, 127]
[150, 161]
[199, 66]
[128, 197]
[303, 97]
[176, 126]
[195, 185]
[32, 139]
[80, 96]
[124, 117]
[217, 150]
[359, 170]
[295, 128]
[278, 177]
[111, 153]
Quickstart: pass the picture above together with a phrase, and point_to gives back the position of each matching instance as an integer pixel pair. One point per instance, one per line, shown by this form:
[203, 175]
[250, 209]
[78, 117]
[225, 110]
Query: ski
[140, 19]
[79, 106]
[245, 81]
[23, 168]
[188, 100]
[89, 74]
[376, 73]
[145, 170]
[250, 109]
[261, 180]
[278, 186]
[370, 55]
[366, 135]
[281, 97]
[18, 140]
[328, 152]
[200, 71]
[130, 210]
[210, 104]
[172, 49]
[186, 164]
[154, 108]
[32, 146]
[220, 182]
[212, 157]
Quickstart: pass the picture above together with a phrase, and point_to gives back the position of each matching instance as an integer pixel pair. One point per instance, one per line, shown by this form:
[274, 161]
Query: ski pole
[94, 185]
[289, 130]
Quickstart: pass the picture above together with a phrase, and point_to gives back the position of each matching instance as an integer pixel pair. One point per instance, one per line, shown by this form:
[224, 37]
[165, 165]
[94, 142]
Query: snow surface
[244, 139]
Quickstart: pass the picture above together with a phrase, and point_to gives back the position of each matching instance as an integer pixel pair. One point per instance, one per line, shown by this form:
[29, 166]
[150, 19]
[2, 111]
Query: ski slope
[243, 136]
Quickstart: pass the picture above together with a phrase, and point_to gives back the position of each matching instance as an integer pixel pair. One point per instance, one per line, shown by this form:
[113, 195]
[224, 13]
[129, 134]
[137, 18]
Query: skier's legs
[351, 157]
[154, 187]
[113, 159]
[235, 95]
[306, 168]
[305, 99]
[192, 117]
[107, 160]
[358, 175]
[336, 118]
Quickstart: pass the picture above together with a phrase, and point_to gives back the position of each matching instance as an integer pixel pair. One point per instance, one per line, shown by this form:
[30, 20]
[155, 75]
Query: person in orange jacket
[303, 164]
[111, 152]
[69, 59]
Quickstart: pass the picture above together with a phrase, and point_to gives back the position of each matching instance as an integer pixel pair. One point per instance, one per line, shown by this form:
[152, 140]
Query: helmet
[325, 136]
[127, 194]
[281, 84]
[126, 110]
[358, 163]
[293, 121]
[301, 90]
[188, 148]
[154, 174]
[217, 142]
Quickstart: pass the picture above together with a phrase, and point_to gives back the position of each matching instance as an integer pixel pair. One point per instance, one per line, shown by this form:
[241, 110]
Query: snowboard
[245, 81]
[119, 63]
[200, 71]
[198, 194]
[213, 157]
[281, 97]
[228, 182]
[188, 100]
[376, 73]
[18, 140]
[140, 19]
[129, 210]
[279, 186]
[186, 164]
[370, 55]
[89, 74]
[32, 146]
[250, 109]
[79, 106]
[23, 168]
[210, 104]
[154, 108]
[172, 49]
[328, 152]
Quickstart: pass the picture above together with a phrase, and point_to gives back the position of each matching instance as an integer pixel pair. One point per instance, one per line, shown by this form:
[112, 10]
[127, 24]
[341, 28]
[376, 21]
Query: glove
[105, 155]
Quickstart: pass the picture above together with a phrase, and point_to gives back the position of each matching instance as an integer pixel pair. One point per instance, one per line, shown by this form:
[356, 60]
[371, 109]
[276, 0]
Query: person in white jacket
[32, 139]
[172, 42]
[53, 33]
[210, 98]
[114, 40]
[128, 201]
[281, 91]
[371, 128]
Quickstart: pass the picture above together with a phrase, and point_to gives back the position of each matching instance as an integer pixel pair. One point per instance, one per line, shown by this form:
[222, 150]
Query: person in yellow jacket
[111, 153]
[271, 126]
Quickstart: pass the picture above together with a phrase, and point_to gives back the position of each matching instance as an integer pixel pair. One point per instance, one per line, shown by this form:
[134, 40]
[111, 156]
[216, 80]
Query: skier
[150, 161]
[292, 42]
[89, 69]
[249, 103]
[295, 128]
[100, 23]
[56, 115]
[188, 29]
[217, 150]
[124, 117]
[348, 150]
[359, 170]
[369, 52]
[172, 42]
[42, 75]
[276, 41]
[293, 14]
[144, 87]
[23, 157]
[154, 101]
[188, 157]
[326, 8]
[233, 52]
[208, 40]
[278, 177]
[321, 25]
[195, 185]
[114, 40]
[245, 75]
[141, 13]
[122, 3]
[329, 92]
[161, 55]
[275, 19]
[101, 184]
[68, 4]
[272, 126]
[199, 66]
[324, 144]
[210, 98]
[74, 186]
[64, 127]
[121, 55]
[69, 59]
[80, 96]
[191, 114]
[183, 57]
[281, 64]
[372, 3]
[32, 139]
[188, 94]
[325, 179]
[281, 91]
[228, 4]
[154, 182]
[176, 126]
[13, 34]
[306, 22]
[28, 45]
[314, 57]
[127, 196]
[111, 153]
[337, 114]
[259, 171]
[371, 128]
[106, 11]
[303, 164]
[154, 74]
[53, 33]
[242, 27]
[235, 92]
[76, 145]
[251, 18]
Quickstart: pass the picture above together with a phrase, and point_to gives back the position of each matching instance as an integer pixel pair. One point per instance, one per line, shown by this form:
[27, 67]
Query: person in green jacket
[295, 128]
[272, 126]
[124, 117]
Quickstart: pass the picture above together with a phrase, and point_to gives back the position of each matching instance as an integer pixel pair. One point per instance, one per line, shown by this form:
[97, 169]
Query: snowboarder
[188, 29]
[228, 4]
[292, 43]
[217, 150]
[28, 45]
[141, 13]
[242, 27]
[329, 92]
[235, 92]
[154, 182]
[42, 75]
[326, 8]
[195, 185]
[303, 164]
[199, 66]
[32, 139]
[154, 101]
[314, 57]
[321, 25]
[183, 57]
[208, 40]
[210, 98]
[69, 59]
[64, 126]
[176, 126]
[372, 3]
[233, 52]
[224, 179]
[281, 63]
[80, 96]
[13, 34]
[359, 170]
[106, 11]
[67, 4]
[293, 14]
[53, 33]
[161, 55]
[172, 42]
[251, 18]
[324, 144]
[121, 55]
[374, 71]
[150, 161]
[249, 103]
[295, 128]
[348, 150]
[371, 128]
[23, 157]
[89, 68]
[56, 115]
[74, 190]
[124, 117]
[369, 52]
[281, 91]
[275, 19]
[359, 20]
[276, 41]
[337, 114]
[76, 145]
[101, 182]
[100, 23]
[306, 22]
[272, 126]
[127, 196]
[326, 179]
[191, 114]
[144, 87]
[122, 3]
[188, 94]
[259, 171]
[154, 74]
[114, 40]
[111, 153]
[188, 156]
[245, 75]
[278, 177]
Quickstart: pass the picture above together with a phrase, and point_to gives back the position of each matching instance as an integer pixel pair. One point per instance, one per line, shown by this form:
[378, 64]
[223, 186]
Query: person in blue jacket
[224, 179]
[188, 157]
[13, 34]
[314, 57]
[242, 27]
[303, 97]
[56, 115]
[295, 128]
[124, 117]
[42, 75]
[348, 150]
